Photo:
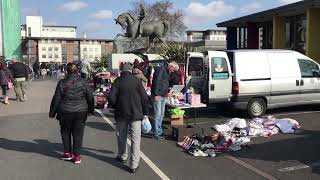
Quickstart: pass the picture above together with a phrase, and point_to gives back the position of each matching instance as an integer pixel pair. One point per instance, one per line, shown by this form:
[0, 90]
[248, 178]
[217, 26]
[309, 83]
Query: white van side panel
[252, 73]
[285, 73]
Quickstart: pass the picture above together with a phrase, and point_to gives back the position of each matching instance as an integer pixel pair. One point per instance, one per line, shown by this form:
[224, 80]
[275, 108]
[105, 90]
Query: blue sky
[95, 17]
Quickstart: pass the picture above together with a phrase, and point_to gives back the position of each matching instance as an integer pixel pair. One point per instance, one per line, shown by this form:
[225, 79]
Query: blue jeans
[159, 108]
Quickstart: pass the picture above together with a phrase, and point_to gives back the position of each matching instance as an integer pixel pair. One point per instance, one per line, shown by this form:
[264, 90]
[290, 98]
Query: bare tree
[164, 11]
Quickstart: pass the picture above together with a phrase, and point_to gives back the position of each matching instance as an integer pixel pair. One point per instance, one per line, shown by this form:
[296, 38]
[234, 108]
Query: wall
[70, 47]
[35, 23]
[313, 36]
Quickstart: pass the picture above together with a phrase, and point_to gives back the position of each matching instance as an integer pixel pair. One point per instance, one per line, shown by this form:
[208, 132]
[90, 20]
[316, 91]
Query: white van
[255, 80]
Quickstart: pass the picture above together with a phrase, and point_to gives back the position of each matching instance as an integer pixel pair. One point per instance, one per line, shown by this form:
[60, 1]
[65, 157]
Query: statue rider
[140, 18]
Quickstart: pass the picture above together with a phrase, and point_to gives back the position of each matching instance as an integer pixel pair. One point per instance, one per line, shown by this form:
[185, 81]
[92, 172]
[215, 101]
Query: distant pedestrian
[5, 79]
[20, 75]
[131, 104]
[36, 68]
[71, 103]
[85, 69]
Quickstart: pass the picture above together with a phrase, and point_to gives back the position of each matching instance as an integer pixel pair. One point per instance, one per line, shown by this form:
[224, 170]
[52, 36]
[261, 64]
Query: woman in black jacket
[71, 103]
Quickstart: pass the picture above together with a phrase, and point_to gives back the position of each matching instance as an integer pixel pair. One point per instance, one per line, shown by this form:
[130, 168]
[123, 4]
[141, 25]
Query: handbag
[10, 84]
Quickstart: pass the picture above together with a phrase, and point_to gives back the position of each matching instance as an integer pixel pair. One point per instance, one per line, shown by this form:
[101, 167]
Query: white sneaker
[210, 152]
[202, 154]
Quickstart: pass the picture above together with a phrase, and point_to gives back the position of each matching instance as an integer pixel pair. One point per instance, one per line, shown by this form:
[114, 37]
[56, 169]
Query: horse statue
[135, 29]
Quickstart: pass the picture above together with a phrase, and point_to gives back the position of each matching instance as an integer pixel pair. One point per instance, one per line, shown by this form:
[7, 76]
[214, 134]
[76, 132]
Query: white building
[49, 51]
[208, 39]
[34, 28]
[90, 51]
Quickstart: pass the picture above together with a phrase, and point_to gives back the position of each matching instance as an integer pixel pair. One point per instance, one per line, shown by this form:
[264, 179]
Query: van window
[195, 67]
[219, 68]
[308, 68]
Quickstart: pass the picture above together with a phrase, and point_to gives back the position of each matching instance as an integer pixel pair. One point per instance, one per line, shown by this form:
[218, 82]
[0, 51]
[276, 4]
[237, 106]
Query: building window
[56, 56]
[43, 41]
[75, 50]
[56, 49]
[43, 48]
[50, 49]
[85, 56]
[85, 49]
[91, 49]
[44, 56]
[64, 50]
[103, 51]
[50, 55]
[91, 56]
[64, 58]
[29, 31]
[49, 41]
[96, 49]
[75, 57]
[103, 43]
[64, 42]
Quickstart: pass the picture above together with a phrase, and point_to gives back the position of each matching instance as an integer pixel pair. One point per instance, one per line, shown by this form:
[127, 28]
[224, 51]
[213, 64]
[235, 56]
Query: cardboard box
[194, 99]
[180, 132]
[176, 120]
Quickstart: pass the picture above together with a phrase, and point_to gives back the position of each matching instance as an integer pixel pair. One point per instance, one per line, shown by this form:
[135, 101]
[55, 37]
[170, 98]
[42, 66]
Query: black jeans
[72, 125]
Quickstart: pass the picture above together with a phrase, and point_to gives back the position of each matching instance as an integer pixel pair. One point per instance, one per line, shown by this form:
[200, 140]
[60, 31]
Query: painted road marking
[143, 156]
[299, 167]
[248, 166]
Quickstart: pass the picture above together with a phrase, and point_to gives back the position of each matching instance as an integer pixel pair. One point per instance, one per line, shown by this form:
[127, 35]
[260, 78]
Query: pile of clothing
[236, 134]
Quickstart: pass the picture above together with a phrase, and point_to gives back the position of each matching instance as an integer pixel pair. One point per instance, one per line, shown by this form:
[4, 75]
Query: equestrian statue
[136, 27]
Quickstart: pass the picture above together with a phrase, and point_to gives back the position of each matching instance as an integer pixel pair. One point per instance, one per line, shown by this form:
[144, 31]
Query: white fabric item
[243, 141]
[235, 147]
[237, 123]
[287, 125]
[222, 128]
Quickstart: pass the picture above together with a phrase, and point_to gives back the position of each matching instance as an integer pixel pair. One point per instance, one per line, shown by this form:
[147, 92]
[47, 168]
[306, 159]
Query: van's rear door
[195, 71]
[220, 77]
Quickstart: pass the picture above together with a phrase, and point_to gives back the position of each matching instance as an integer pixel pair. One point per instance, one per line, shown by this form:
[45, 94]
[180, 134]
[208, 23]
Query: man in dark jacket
[36, 68]
[71, 103]
[20, 75]
[159, 91]
[131, 104]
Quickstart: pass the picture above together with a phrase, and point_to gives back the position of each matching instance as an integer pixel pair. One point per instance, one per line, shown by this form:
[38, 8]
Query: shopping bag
[145, 125]
[10, 84]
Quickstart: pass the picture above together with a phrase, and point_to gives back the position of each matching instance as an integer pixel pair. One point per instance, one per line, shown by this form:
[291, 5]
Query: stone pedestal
[123, 44]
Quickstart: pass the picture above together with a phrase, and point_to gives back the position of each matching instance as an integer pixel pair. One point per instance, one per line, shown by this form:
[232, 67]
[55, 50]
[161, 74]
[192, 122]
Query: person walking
[85, 69]
[36, 68]
[20, 75]
[72, 102]
[5, 80]
[131, 105]
[159, 91]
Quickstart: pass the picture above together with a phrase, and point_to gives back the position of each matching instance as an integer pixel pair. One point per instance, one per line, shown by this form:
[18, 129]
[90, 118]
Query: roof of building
[69, 39]
[293, 9]
[208, 30]
[60, 26]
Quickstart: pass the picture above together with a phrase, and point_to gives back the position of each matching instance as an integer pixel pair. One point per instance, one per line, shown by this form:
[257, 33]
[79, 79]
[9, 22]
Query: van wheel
[256, 107]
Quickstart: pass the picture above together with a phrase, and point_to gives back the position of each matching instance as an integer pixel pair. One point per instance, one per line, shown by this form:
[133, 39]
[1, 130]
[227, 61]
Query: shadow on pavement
[100, 126]
[304, 149]
[46, 148]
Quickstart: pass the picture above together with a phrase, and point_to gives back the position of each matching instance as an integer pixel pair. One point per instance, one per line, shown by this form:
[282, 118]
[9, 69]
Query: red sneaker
[66, 156]
[77, 159]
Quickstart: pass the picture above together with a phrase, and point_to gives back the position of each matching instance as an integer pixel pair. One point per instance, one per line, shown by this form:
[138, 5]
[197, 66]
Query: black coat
[129, 97]
[5, 75]
[160, 82]
[19, 70]
[73, 94]
[174, 78]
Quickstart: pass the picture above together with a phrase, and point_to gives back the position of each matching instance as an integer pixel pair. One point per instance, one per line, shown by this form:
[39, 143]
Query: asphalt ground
[30, 147]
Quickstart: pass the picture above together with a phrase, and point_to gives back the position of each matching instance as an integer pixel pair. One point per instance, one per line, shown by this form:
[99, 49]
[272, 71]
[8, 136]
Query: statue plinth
[123, 44]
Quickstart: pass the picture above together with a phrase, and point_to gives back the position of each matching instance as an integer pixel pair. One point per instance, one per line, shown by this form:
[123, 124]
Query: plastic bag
[145, 125]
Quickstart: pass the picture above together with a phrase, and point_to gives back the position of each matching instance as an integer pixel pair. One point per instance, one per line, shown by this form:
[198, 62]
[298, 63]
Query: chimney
[84, 35]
